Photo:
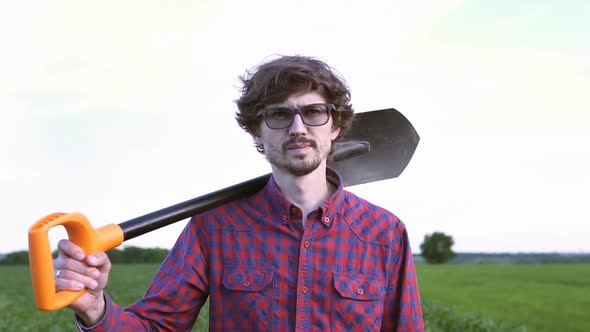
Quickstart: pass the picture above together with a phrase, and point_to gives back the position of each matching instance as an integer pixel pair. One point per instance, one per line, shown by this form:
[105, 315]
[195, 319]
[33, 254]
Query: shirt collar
[280, 205]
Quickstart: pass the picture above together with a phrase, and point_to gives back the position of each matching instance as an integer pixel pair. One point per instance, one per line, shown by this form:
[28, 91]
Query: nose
[297, 127]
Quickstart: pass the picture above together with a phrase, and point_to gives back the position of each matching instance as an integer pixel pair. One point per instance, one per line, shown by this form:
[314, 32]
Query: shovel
[379, 146]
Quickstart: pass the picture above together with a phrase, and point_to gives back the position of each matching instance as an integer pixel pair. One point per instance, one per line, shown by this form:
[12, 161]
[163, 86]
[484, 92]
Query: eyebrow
[293, 106]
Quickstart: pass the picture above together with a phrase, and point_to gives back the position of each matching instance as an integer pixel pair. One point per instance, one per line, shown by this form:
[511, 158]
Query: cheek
[268, 139]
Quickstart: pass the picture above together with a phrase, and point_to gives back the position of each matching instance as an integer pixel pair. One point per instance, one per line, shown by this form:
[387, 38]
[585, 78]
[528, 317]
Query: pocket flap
[359, 286]
[248, 279]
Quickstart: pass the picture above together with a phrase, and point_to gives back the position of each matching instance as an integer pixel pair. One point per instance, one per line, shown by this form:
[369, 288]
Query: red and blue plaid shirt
[349, 269]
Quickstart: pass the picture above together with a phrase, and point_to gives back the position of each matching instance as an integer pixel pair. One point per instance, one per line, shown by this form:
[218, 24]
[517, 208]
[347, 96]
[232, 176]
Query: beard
[299, 166]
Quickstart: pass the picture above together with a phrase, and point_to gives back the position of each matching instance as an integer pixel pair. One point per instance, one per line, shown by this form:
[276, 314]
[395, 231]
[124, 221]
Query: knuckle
[103, 259]
[68, 285]
[59, 284]
[63, 274]
[57, 262]
[75, 285]
[64, 244]
[69, 264]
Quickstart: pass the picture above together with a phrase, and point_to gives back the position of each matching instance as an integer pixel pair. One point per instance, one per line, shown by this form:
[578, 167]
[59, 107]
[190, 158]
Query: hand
[76, 271]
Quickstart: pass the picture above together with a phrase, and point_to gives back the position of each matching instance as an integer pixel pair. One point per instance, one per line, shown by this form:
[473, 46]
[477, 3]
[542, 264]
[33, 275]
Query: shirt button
[326, 220]
[247, 283]
[284, 217]
[304, 289]
[360, 291]
[306, 244]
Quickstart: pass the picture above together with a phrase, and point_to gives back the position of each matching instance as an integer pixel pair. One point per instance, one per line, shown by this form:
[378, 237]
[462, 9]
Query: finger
[100, 260]
[75, 266]
[72, 281]
[70, 249]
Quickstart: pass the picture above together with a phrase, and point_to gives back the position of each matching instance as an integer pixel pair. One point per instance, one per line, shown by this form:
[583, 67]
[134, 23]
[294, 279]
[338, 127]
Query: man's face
[298, 149]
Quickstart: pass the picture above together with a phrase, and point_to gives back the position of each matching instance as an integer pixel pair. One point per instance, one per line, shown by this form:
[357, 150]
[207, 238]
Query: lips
[296, 144]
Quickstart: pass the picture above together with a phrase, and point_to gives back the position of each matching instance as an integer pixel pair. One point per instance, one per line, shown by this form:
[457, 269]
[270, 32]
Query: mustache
[299, 141]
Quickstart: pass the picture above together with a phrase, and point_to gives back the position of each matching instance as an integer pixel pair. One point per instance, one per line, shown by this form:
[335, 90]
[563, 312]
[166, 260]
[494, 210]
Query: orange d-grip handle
[41, 261]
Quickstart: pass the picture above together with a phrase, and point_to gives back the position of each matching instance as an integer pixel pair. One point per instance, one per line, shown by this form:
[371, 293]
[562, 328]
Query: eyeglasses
[281, 117]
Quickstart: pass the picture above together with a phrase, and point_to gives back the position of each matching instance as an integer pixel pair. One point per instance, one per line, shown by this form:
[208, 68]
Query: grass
[17, 307]
[542, 297]
[478, 297]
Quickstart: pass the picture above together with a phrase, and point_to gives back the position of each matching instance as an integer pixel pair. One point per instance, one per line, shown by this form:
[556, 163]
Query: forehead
[304, 98]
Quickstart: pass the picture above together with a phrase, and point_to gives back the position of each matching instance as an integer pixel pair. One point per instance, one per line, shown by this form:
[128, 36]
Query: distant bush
[16, 258]
[520, 258]
[437, 248]
[127, 255]
[130, 255]
[439, 318]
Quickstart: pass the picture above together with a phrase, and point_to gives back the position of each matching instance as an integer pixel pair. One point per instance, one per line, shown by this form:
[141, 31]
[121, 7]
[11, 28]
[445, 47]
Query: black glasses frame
[294, 111]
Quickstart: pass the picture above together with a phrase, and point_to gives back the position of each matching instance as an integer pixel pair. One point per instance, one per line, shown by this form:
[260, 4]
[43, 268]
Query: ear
[335, 132]
[257, 139]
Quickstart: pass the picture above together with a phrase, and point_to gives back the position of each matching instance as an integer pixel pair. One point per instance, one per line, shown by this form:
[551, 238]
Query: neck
[307, 192]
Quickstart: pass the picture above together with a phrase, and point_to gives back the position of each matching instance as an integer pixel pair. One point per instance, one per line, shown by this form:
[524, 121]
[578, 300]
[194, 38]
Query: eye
[314, 110]
[279, 113]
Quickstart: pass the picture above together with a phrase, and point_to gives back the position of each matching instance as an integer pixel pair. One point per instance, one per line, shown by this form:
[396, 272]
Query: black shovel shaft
[166, 216]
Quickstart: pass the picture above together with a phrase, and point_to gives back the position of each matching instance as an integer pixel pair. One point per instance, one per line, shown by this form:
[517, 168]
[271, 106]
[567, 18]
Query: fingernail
[93, 284]
[78, 286]
[91, 259]
[79, 256]
[95, 274]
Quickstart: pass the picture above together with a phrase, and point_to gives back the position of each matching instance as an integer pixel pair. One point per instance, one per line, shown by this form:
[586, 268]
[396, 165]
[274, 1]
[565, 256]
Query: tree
[436, 248]
[133, 255]
[16, 258]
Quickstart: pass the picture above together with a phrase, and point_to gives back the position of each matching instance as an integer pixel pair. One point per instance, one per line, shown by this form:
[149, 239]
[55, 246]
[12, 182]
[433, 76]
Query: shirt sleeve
[403, 310]
[175, 296]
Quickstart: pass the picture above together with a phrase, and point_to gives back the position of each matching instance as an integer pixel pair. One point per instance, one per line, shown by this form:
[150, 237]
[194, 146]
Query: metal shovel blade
[392, 140]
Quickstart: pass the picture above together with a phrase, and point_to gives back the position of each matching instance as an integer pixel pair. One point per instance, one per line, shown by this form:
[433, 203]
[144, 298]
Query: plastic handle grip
[41, 261]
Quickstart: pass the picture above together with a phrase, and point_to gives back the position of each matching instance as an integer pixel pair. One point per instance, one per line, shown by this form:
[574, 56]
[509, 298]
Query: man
[302, 254]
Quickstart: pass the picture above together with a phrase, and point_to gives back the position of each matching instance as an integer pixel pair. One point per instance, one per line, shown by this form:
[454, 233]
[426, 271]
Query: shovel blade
[392, 140]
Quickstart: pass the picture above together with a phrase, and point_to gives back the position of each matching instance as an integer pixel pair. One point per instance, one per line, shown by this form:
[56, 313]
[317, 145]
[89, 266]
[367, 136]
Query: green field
[543, 297]
[546, 297]
[17, 307]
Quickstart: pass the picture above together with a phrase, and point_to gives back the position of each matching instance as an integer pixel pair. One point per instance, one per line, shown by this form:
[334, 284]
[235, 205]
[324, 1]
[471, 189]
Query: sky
[119, 108]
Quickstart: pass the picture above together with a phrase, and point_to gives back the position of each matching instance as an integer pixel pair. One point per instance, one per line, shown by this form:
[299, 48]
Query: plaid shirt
[349, 269]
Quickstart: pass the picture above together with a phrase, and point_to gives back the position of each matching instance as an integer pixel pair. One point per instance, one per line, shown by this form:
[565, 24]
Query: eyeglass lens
[282, 117]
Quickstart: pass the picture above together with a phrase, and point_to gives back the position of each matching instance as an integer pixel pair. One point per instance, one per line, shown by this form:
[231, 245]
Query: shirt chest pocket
[248, 297]
[357, 302]
[247, 279]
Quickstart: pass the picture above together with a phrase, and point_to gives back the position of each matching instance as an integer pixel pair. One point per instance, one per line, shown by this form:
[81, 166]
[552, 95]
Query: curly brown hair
[275, 81]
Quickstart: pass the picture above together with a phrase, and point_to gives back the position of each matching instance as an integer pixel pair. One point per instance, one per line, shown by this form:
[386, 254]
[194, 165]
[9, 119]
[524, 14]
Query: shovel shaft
[158, 219]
